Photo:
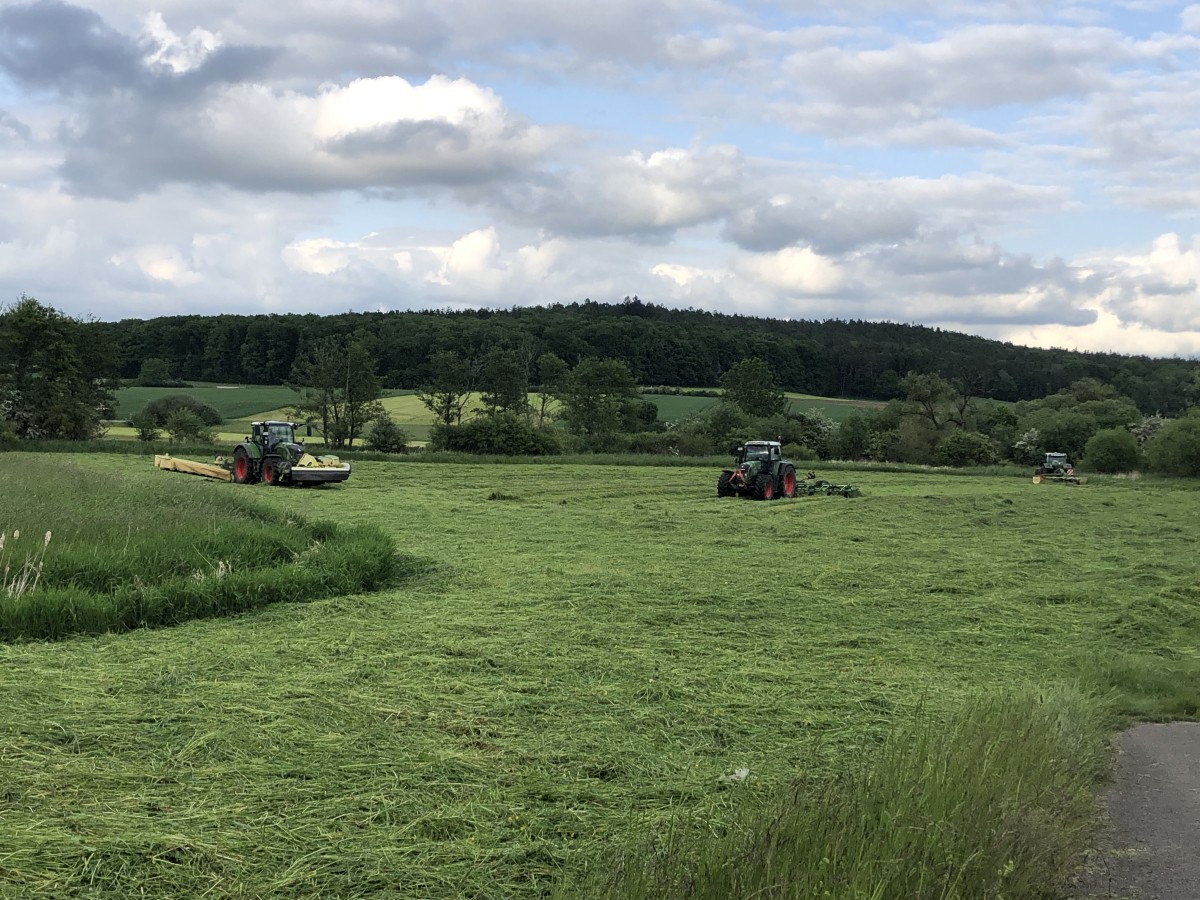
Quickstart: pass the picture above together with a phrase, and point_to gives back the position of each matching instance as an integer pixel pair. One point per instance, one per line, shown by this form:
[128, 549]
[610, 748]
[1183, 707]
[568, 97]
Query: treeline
[661, 346]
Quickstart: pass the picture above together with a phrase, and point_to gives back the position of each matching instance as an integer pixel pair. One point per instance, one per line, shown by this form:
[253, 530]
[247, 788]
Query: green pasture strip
[151, 548]
[231, 401]
[586, 655]
[992, 801]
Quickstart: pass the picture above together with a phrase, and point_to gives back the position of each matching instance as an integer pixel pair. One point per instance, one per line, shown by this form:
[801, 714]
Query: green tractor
[761, 472]
[271, 454]
[1056, 468]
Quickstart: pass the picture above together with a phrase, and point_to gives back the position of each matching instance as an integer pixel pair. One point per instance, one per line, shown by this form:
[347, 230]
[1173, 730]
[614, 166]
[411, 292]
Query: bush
[799, 453]
[162, 408]
[386, 436]
[146, 426]
[1112, 450]
[500, 434]
[966, 448]
[183, 426]
[1175, 450]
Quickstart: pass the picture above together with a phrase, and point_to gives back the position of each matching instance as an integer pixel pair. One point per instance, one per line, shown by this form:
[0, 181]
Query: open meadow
[575, 653]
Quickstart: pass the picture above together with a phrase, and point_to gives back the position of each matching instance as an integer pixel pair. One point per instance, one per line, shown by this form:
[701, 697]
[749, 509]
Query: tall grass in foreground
[994, 802]
[152, 549]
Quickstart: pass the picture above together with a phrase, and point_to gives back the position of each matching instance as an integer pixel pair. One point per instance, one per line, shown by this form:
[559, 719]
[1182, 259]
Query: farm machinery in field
[760, 472]
[1056, 468]
[270, 454]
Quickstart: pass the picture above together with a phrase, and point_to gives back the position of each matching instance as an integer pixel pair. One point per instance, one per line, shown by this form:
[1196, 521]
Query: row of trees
[936, 422]
[660, 346]
[57, 376]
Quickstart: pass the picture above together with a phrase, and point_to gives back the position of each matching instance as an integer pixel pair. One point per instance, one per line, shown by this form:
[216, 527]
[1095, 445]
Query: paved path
[1153, 849]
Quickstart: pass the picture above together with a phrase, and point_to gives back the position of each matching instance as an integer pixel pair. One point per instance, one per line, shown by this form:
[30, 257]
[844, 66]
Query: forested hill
[688, 348]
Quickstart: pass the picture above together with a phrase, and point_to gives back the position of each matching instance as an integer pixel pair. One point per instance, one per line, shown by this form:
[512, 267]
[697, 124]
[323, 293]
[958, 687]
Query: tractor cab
[276, 438]
[1056, 463]
[759, 452]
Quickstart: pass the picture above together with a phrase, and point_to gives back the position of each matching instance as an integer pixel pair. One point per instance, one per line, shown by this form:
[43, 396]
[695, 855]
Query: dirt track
[1152, 851]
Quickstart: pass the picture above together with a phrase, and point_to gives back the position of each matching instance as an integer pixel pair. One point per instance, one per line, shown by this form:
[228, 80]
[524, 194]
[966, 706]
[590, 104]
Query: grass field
[587, 649]
[231, 401]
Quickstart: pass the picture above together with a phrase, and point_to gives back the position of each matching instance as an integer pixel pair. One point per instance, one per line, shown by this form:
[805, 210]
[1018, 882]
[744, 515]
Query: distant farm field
[587, 649]
[238, 405]
[231, 401]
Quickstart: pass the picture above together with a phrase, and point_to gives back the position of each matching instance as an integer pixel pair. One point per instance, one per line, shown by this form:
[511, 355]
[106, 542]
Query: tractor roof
[762, 444]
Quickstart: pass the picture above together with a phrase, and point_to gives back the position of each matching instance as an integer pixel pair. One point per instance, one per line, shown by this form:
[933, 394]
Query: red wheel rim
[789, 483]
[240, 466]
[269, 474]
[769, 491]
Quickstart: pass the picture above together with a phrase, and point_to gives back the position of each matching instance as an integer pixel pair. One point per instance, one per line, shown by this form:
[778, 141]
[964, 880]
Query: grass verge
[140, 550]
[993, 802]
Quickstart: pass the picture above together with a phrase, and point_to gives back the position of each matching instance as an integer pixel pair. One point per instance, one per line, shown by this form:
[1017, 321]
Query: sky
[1021, 170]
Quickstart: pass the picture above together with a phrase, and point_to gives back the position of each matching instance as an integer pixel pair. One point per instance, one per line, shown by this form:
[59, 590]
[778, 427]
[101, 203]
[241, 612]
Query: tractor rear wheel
[789, 482]
[724, 488]
[764, 488]
[243, 472]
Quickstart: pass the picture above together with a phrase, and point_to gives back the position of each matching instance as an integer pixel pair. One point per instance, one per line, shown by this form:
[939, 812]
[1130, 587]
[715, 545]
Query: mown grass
[138, 549]
[585, 653]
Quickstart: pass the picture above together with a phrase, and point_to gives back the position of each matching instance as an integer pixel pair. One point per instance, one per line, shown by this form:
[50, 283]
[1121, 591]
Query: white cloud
[179, 54]
[792, 271]
[952, 163]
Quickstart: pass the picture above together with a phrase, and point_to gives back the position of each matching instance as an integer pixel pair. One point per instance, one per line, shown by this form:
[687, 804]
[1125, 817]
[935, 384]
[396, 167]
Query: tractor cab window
[280, 432]
[757, 453]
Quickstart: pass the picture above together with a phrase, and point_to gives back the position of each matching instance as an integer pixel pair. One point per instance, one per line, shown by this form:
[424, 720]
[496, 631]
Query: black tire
[243, 467]
[271, 474]
[724, 488]
[764, 488]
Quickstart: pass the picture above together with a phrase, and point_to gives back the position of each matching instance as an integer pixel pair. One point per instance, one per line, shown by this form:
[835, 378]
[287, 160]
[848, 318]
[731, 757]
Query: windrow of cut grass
[145, 549]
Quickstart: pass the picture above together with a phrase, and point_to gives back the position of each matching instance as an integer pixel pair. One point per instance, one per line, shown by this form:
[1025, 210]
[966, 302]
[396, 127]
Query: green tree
[552, 379]
[750, 384]
[966, 448]
[163, 408]
[503, 433]
[1112, 450]
[385, 436]
[57, 376]
[451, 382]
[184, 426]
[339, 388]
[1175, 450]
[156, 372]
[853, 437]
[504, 382]
[594, 397]
[935, 399]
[146, 425]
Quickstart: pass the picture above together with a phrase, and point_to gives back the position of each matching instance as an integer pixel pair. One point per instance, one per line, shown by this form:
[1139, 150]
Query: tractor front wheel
[764, 488]
[243, 472]
[789, 482]
[724, 488]
[271, 474]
